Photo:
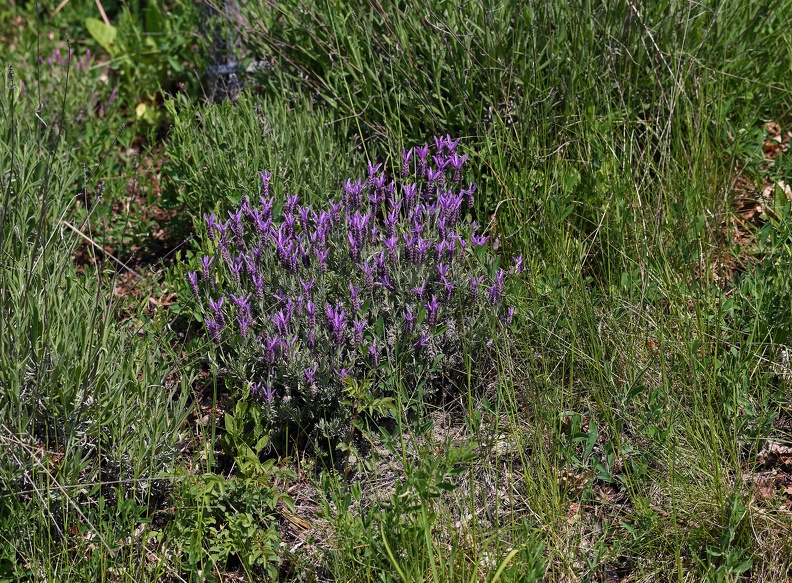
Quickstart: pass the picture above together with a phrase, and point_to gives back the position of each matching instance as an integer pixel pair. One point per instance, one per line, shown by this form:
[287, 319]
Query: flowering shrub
[388, 284]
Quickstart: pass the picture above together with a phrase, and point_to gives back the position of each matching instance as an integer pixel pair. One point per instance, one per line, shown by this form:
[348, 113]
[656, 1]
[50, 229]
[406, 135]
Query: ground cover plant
[388, 286]
[632, 422]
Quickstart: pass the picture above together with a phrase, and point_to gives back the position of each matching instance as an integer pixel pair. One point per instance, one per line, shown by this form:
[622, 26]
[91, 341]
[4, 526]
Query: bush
[323, 313]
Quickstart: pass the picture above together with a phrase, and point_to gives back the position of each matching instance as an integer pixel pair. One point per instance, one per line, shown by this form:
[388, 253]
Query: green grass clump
[90, 413]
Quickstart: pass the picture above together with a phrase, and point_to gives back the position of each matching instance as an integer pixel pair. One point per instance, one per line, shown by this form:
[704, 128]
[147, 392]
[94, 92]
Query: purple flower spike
[307, 285]
[509, 316]
[451, 144]
[420, 290]
[373, 169]
[422, 152]
[336, 320]
[268, 392]
[406, 155]
[441, 162]
[409, 319]
[206, 264]
[242, 304]
[310, 373]
[374, 353]
[354, 294]
[244, 321]
[391, 244]
[496, 291]
[518, 264]
[217, 308]
[271, 348]
[479, 240]
[423, 341]
[213, 328]
[291, 204]
[258, 282]
[432, 307]
[358, 327]
[342, 374]
[468, 194]
[192, 277]
[335, 210]
[266, 178]
[448, 289]
[211, 225]
[281, 322]
[457, 162]
[310, 309]
[368, 271]
[321, 255]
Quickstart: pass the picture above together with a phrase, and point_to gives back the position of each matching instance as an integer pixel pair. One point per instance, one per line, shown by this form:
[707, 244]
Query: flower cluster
[381, 282]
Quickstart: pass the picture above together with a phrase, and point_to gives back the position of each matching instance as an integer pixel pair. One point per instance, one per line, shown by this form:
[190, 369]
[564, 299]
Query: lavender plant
[388, 283]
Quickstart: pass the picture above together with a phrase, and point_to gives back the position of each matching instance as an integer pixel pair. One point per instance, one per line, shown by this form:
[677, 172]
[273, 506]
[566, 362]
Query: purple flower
[509, 316]
[358, 326]
[409, 319]
[271, 348]
[496, 291]
[267, 202]
[420, 290]
[217, 308]
[354, 294]
[192, 277]
[457, 162]
[281, 322]
[258, 282]
[443, 270]
[310, 309]
[236, 267]
[244, 321]
[336, 319]
[373, 168]
[291, 204]
[422, 152]
[518, 264]
[335, 210]
[368, 271]
[206, 264]
[448, 288]
[237, 226]
[374, 353]
[307, 285]
[353, 194]
[268, 392]
[321, 255]
[242, 304]
[478, 240]
[423, 341]
[211, 225]
[441, 162]
[310, 373]
[432, 307]
[266, 178]
[304, 212]
[390, 244]
[406, 155]
[213, 328]
[342, 373]
[468, 193]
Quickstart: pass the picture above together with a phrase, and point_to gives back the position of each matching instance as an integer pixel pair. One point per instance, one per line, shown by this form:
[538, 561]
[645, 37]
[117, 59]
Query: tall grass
[90, 408]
